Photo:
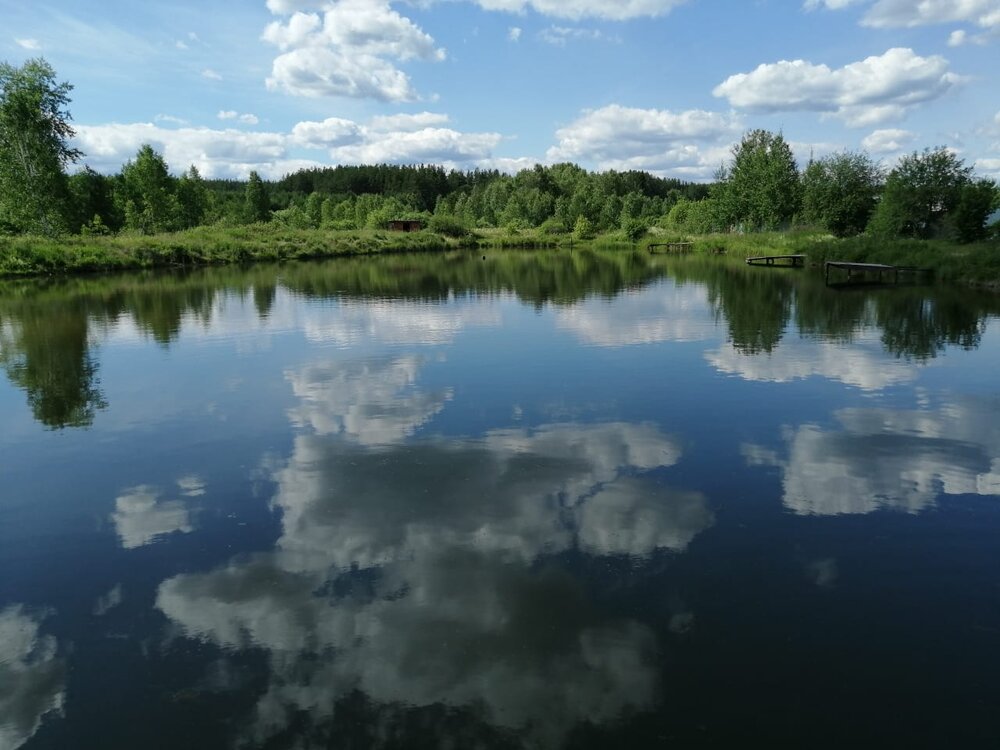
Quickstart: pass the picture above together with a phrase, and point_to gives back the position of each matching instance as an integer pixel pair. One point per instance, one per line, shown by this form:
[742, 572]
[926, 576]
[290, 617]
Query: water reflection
[406, 567]
[142, 516]
[49, 330]
[46, 352]
[375, 402]
[675, 313]
[427, 572]
[885, 458]
[860, 363]
[32, 676]
[401, 322]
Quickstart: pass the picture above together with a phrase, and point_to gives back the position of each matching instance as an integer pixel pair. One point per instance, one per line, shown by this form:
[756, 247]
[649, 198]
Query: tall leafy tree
[146, 194]
[920, 193]
[34, 148]
[92, 199]
[192, 198]
[976, 202]
[840, 192]
[760, 189]
[257, 201]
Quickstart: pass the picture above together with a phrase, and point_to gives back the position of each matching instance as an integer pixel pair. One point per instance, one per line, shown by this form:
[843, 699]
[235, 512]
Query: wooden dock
[788, 261]
[673, 247]
[877, 273]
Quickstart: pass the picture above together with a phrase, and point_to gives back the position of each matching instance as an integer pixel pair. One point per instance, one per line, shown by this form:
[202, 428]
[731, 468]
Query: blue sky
[662, 85]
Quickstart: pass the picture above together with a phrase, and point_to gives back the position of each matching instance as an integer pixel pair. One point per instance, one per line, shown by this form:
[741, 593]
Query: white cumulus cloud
[868, 92]
[29, 44]
[349, 49]
[443, 146]
[398, 139]
[687, 144]
[888, 141]
[957, 38]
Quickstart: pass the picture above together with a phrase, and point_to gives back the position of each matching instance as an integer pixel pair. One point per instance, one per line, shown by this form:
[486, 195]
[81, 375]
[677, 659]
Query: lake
[527, 499]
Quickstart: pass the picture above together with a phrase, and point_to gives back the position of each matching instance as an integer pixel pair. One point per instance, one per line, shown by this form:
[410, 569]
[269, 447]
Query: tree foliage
[34, 148]
[840, 192]
[920, 193]
[146, 194]
[928, 194]
[192, 199]
[760, 189]
[977, 201]
[257, 202]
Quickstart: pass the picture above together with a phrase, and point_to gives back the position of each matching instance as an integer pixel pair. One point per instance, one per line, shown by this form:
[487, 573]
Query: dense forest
[929, 194]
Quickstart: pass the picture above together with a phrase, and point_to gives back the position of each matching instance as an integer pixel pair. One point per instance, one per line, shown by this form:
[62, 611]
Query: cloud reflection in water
[32, 677]
[424, 573]
[885, 458]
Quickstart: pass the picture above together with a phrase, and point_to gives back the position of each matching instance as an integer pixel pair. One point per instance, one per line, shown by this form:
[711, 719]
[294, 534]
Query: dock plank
[791, 261]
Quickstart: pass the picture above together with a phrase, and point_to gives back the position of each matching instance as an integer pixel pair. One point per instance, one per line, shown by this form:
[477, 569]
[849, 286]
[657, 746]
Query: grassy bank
[24, 256]
[977, 264]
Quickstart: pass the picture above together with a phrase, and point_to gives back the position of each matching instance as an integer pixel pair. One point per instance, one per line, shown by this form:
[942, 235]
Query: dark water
[536, 500]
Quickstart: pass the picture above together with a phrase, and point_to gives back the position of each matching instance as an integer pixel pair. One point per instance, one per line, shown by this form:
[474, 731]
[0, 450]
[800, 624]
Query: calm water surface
[529, 500]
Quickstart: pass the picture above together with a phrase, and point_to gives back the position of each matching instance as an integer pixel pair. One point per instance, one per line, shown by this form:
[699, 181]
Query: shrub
[583, 229]
[448, 225]
[634, 229]
[553, 225]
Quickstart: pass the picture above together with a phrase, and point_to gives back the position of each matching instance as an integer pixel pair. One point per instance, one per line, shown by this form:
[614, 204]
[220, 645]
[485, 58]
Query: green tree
[760, 189]
[257, 202]
[920, 193]
[146, 194]
[840, 192]
[314, 209]
[34, 148]
[583, 229]
[976, 202]
[92, 195]
[192, 199]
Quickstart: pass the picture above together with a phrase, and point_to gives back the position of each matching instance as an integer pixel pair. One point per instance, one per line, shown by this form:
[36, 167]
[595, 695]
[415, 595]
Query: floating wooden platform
[790, 261]
[673, 247]
[878, 273]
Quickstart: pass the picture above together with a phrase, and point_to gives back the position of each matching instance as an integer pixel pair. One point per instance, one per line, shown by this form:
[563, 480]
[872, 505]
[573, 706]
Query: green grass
[977, 264]
[22, 256]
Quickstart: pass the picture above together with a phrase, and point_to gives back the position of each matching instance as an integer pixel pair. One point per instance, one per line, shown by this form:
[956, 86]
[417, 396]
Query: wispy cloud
[560, 35]
[31, 44]
[170, 119]
[229, 114]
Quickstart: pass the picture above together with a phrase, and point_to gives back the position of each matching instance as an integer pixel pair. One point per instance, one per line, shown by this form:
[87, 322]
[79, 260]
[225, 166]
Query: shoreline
[976, 265]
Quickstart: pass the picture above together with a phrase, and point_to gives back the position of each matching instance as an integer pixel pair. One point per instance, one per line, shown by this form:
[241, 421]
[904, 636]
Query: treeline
[927, 195]
[145, 198]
